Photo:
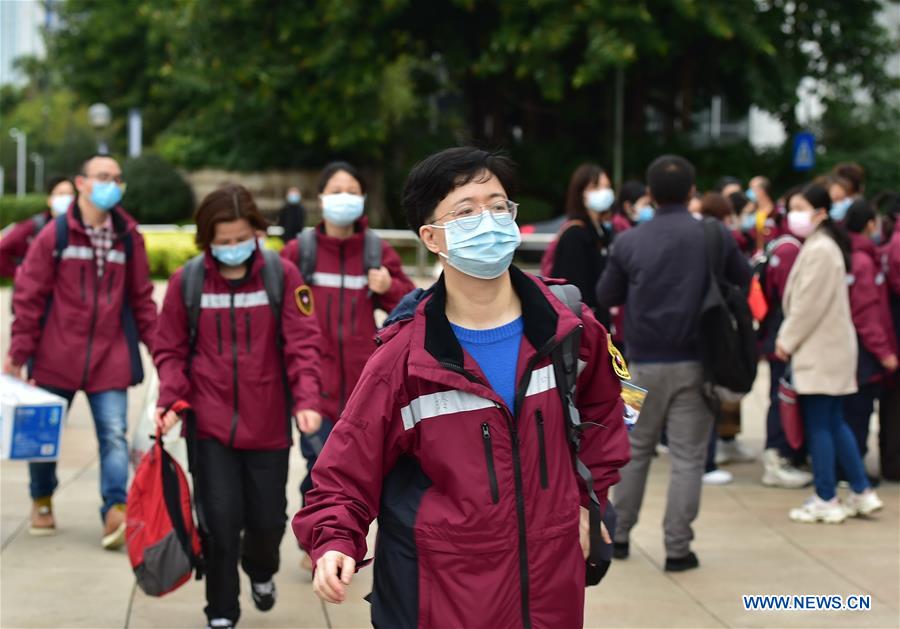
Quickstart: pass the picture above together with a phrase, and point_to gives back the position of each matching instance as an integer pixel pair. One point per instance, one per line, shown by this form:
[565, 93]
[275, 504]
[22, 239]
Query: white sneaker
[219, 623]
[733, 452]
[717, 477]
[862, 504]
[817, 510]
[780, 473]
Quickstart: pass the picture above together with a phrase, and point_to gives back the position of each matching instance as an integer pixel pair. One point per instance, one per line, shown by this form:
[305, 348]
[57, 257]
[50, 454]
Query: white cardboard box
[31, 421]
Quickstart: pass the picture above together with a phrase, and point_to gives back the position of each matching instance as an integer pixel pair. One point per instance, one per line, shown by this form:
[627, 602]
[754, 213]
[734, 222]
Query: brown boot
[114, 528]
[42, 522]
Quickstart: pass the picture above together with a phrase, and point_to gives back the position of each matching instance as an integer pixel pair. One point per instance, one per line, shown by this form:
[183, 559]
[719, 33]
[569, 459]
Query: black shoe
[264, 595]
[620, 550]
[680, 564]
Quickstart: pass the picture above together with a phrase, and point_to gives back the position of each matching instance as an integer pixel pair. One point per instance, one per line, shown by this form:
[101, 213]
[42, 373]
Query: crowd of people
[483, 424]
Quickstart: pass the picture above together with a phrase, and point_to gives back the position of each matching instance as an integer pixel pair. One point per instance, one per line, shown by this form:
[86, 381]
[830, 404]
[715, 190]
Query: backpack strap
[273, 281]
[371, 251]
[565, 367]
[191, 294]
[715, 244]
[307, 244]
[61, 225]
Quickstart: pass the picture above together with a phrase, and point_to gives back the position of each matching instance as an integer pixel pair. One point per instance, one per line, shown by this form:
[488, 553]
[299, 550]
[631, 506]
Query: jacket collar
[673, 208]
[863, 244]
[359, 228]
[540, 318]
[257, 261]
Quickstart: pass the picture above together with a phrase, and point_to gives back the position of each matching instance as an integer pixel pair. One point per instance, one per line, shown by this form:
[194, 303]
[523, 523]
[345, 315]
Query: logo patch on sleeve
[303, 297]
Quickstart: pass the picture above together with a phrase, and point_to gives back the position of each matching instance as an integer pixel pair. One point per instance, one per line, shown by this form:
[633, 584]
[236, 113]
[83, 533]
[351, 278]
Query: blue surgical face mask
[748, 222]
[59, 203]
[600, 200]
[608, 226]
[839, 209]
[486, 251]
[105, 195]
[234, 255]
[877, 238]
[645, 214]
[293, 197]
[342, 209]
[750, 193]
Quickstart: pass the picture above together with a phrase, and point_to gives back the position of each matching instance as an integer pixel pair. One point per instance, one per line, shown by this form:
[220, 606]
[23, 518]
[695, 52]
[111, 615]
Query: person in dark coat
[292, 217]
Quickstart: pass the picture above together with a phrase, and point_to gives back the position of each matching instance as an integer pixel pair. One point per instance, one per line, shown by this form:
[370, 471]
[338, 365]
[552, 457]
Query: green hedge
[156, 193]
[14, 209]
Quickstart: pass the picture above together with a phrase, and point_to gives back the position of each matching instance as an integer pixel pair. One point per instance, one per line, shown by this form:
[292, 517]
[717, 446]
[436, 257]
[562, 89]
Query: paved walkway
[745, 543]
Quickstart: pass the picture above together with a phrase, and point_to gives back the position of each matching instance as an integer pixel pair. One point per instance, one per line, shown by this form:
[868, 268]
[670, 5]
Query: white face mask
[599, 200]
[342, 209]
[800, 223]
[59, 203]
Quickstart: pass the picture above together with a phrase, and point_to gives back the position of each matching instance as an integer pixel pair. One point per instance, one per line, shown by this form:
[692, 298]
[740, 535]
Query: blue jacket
[659, 270]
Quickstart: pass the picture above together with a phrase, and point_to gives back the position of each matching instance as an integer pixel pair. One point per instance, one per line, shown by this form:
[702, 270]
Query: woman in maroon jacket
[15, 239]
[871, 311]
[346, 293]
[239, 378]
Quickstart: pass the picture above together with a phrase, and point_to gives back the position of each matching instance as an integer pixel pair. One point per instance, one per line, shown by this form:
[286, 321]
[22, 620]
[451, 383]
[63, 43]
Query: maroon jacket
[891, 252]
[235, 384]
[83, 344]
[346, 310]
[477, 506]
[15, 240]
[782, 254]
[870, 307]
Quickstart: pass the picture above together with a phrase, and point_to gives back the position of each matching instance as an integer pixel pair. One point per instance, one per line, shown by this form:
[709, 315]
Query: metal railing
[398, 238]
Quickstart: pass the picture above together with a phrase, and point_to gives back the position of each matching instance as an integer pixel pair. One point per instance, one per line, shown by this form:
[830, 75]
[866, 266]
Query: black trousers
[889, 431]
[240, 491]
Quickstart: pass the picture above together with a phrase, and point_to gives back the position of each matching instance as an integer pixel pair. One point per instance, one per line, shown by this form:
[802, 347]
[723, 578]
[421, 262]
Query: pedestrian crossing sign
[804, 151]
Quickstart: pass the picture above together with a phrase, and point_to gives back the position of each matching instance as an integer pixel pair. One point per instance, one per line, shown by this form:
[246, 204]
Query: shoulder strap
[570, 295]
[62, 236]
[712, 233]
[191, 294]
[371, 251]
[273, 281]
[306, 260]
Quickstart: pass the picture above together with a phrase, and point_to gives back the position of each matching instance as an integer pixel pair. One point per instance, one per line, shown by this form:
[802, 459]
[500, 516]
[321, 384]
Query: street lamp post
[99, 115]
[21, 164]
[38, 172]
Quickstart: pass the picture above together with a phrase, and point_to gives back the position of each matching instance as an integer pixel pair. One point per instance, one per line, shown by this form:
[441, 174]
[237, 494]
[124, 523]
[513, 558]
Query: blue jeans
[110, 412]
[310, 453]
[830, 442]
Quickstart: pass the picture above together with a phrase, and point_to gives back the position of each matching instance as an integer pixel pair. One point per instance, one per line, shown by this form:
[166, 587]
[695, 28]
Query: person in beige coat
[819, 340]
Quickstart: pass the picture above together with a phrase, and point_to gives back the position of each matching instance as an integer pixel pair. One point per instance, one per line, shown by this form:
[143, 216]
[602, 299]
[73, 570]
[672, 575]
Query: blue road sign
[804, 151]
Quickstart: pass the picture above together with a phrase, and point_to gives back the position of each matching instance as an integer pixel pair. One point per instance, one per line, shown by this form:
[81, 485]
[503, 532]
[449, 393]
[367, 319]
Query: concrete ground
[744, 539]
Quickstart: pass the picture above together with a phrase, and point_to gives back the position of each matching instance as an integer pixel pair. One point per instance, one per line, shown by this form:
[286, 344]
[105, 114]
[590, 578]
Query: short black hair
[333, 167]
[436, 176]
[52, 182]
[738, 201]
[727, 180]
[817, 196]
[670, 178]
[93, 156]
[858, 216]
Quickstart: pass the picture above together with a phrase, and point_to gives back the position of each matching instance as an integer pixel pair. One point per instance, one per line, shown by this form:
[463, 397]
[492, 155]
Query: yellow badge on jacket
[618, 361]
[303, 296]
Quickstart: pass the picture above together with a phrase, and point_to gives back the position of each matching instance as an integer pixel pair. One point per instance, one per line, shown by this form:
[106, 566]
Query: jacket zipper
[353, 314]
[234, 358]
[90, 340]
[247, 326]
[340, 336]
[539, 416]
[489, 457]
[219, 331]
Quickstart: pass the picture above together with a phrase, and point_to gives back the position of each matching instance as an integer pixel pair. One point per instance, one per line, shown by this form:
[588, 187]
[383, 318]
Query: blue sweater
[497, 353]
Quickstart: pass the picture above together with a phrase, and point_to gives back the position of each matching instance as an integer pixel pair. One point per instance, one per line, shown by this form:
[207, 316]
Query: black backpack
[728, 346]
[307, 256]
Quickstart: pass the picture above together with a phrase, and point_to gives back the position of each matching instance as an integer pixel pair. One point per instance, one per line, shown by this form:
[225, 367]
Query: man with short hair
[660, 272]
[83, 299]
[456, 435]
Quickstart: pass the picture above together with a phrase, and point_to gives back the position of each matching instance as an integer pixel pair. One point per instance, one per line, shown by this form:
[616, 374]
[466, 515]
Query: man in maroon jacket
[456, 436]
[83, 299]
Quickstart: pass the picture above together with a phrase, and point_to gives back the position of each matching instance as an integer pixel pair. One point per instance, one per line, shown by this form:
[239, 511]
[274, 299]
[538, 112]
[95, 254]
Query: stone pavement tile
[636, 593]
